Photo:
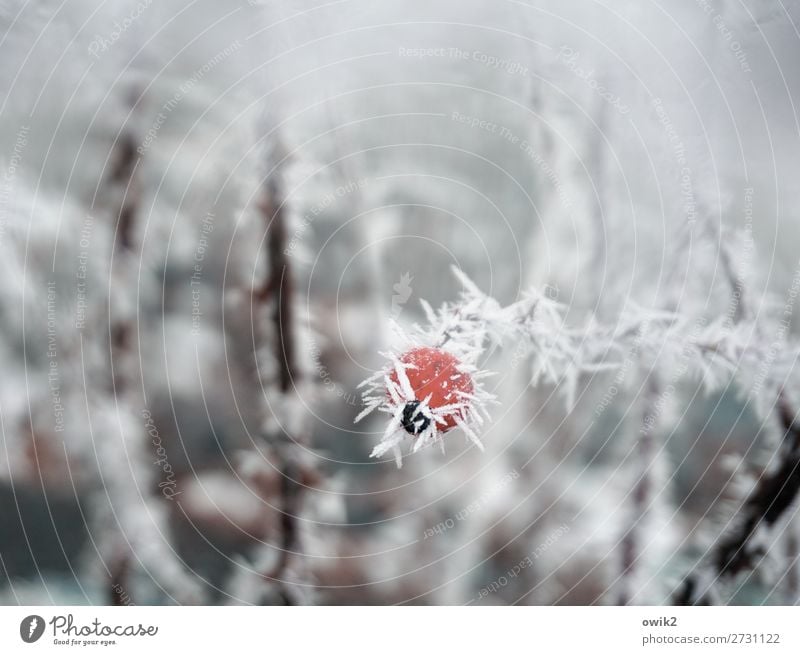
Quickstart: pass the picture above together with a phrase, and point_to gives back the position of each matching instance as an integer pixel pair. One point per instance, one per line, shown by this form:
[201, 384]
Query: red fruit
[435, 373]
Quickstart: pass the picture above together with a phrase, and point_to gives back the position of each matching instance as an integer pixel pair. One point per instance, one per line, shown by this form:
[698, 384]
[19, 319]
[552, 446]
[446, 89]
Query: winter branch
[741, 548]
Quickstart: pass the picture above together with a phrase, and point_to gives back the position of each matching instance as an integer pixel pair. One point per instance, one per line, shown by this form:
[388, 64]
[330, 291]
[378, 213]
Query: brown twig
[123, 175]
[122, 179]
[279, 285]
[735, 551]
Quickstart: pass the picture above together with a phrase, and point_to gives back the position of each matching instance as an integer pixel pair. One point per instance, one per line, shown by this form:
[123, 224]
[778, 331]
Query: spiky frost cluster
[716, 351]
[457, 332]
[425, 422]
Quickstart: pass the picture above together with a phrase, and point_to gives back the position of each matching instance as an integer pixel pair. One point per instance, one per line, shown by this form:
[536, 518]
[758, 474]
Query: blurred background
[211, 212]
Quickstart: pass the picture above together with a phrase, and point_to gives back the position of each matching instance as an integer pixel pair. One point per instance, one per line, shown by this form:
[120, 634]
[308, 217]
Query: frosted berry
[426, 391]
[433, 374]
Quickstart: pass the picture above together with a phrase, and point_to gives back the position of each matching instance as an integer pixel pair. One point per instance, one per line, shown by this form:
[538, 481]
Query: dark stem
[290, 506]
[279, 285]
[276, 293]
[123, 176]
[122, 179]
[736, 551]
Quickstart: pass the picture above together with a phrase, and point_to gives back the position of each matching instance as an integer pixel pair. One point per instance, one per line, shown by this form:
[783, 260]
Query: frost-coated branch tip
[458, 333]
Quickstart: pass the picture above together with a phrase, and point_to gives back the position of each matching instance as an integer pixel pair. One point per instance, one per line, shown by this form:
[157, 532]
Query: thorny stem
[290, 495]
[737, 551]
[279, 285]
[122, 177]
[775, 492]
[278, 288]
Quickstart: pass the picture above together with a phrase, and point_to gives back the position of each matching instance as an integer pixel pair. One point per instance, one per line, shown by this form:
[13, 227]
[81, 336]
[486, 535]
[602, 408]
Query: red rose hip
[432, 374]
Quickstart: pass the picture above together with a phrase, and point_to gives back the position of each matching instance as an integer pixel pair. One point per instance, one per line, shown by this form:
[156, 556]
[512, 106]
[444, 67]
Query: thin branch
[123, 176]
[122, 179]
[275, 299]
[739, 551]
[278, 285]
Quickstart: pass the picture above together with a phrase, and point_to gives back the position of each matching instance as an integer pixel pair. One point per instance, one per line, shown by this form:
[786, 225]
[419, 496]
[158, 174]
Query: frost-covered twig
[277, 297]
[561, 354]
[121, 180]
[742, 548]
[280, 375]
[142, 519]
